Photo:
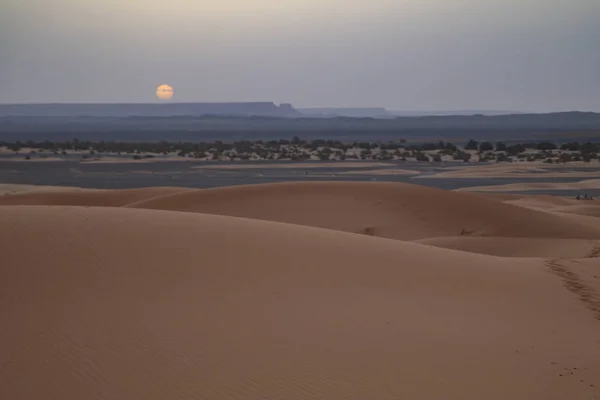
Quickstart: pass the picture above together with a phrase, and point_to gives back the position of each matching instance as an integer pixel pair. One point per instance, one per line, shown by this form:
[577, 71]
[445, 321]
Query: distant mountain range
[240, 109]
[455, 112]
[353, 112]
[262, 109]
[241, 121]
[380, 112]
[266, 120]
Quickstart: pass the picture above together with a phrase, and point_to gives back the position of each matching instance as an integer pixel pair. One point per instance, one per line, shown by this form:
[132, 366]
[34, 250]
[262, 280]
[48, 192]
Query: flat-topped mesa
[289, 110]
[266, 109]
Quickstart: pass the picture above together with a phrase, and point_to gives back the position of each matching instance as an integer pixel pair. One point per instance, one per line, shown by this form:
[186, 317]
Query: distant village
[315, 150]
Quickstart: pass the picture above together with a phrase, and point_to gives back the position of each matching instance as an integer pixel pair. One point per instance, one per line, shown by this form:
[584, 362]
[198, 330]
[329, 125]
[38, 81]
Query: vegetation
[486, 146]
[297, 149]
[472, 145]
[422, 157]
[500, 146]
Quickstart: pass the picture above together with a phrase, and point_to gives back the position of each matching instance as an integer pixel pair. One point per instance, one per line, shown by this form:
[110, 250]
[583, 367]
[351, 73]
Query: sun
[164, 92]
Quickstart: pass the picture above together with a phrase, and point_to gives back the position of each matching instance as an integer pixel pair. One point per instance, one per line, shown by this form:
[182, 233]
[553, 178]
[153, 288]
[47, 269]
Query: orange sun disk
[164, 92]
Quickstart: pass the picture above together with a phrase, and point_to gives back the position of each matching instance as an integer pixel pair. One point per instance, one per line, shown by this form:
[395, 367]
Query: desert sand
[9, 188]
[520, 170]
[383, 209]
[533, 186]
[83, 197]
[131, 160]
[298, 290]
[292, 165]
[382, 172]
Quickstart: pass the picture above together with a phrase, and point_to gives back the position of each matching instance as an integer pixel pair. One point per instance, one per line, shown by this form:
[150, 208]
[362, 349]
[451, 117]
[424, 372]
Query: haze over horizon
[431, 55]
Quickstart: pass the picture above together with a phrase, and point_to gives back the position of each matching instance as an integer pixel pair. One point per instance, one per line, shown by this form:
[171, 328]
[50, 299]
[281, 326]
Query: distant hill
[356, 112]
[266, 109]
[455, 112]
[380, 112]
[240, 127]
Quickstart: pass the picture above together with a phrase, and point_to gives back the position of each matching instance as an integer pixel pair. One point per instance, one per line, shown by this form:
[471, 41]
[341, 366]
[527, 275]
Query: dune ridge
[519, 247]
[533, 186]
[586, 210]
[392, 210]
[389, 210]
[87, 197]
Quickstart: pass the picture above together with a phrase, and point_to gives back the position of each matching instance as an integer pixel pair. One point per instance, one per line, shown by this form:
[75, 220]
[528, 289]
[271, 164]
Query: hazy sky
[531, 55]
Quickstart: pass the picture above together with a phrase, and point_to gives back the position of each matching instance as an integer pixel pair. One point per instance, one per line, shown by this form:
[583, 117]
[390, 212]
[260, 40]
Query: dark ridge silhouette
[267, 109]
[190, 127]
[399, 113]
[356, 112]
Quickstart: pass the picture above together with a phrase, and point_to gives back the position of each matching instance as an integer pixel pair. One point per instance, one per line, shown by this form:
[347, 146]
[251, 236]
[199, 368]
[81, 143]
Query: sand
[590, 210]
[533, 186]
[519, 247]
[389, 210]
[131, 160]
[144, 294]
[538, 201]
[293, 165]
[33, 159]
[9, 188]
[382, 172]
[519, 170]
[85, 197]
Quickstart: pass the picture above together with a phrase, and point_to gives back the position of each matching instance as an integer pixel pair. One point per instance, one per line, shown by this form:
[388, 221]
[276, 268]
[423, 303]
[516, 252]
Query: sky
[407, 55]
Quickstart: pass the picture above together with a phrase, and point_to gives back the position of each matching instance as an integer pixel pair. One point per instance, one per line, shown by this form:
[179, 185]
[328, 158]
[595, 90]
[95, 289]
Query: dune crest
[389, 210]
[519, 247]
[86, 197]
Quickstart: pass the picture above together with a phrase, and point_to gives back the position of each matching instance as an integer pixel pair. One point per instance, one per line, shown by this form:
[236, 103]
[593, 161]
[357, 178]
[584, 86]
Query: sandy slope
[11, 189]
[381, 172]
[519, 170]
[81, 197]
[542, 202]
[138, 304]
[589, 210]
[392, 210]
[519, 247]
[294, 165]
[498, 196]
[533, 186]
[585, 276]
[531, 226]
[585, 212]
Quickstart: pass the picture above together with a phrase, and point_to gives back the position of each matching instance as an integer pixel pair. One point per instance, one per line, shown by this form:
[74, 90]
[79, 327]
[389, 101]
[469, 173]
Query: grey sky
[536, 55]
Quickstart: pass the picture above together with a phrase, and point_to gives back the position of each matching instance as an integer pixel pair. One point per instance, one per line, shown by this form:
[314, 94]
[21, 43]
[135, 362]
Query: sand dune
[137, 304]
[533, 186]
[581, 209]
[585, 276]
[519, 247]
[543, 202]
[295, 165]
[11, 189]
[81, 197]
[519, 170]
[381, 172]
[391, 210]
[532, 201]
[585, 220]
[499, 196]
